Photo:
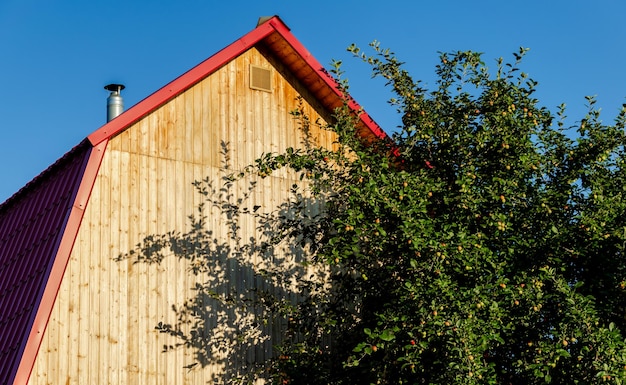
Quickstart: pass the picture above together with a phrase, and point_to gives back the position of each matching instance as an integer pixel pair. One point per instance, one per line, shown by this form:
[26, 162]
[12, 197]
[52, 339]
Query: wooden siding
[102, 328]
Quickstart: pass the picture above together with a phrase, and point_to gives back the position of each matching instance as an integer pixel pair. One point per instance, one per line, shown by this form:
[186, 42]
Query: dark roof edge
[77, 150]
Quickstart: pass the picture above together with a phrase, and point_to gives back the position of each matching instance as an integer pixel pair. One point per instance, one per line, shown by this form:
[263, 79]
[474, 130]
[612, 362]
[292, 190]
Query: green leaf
[387, 335]
[563, 353]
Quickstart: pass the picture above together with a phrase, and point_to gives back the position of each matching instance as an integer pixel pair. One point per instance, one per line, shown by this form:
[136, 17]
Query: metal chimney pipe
[115, 103]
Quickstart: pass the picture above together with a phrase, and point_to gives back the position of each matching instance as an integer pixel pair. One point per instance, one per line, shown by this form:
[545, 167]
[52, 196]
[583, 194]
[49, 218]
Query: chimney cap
[114, 87]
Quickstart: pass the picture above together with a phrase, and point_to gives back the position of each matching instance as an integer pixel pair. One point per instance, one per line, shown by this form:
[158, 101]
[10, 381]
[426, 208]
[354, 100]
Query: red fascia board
[284, 31]
[210, 65]
[180, 84]
[31, 346]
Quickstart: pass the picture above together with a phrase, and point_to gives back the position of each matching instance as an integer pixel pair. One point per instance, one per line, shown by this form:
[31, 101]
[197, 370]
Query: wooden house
[71, 310]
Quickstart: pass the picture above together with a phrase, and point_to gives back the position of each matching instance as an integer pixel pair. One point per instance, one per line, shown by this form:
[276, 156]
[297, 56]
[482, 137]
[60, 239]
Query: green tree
[482, 243]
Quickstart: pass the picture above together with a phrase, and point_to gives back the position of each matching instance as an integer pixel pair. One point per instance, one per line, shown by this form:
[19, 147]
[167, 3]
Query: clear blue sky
[56, 56]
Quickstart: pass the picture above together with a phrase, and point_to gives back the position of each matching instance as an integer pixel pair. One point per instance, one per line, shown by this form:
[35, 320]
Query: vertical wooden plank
[280, 114]
[195, 121]
[52, 350]
[110, 175]
[224, 112]
[151, 289]
[244, 111]
[206, 119]
[124, 143]
[136, 290]
[118, 173]
[162, 226]
[164, 122]
[178, 221]
[62, 313]
[236, 139]
[255, 115]
[103, 289]
[186, 126]
[95, 333]
[130, 142]
[84, 306]
[159, 132]
[216, 120]
[154, 283]
[169, 359]
[70, 288]
[178, 126]
[128, 217]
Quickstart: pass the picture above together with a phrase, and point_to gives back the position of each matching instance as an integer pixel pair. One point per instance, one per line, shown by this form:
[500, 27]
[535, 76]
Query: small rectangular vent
[260, 78]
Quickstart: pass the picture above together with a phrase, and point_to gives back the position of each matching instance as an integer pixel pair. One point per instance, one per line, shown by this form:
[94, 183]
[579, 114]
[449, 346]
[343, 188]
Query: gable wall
[102, 328]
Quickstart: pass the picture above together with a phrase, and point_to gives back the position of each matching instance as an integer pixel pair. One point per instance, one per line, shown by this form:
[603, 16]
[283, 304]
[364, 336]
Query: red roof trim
[180, 84]
[215, 62]
[284, 31]
[57, 270]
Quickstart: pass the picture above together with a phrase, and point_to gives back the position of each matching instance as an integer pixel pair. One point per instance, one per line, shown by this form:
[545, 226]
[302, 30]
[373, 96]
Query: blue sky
[56, 56]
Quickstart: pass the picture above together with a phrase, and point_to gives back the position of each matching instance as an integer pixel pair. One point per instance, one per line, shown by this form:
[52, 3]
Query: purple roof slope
[32, 223]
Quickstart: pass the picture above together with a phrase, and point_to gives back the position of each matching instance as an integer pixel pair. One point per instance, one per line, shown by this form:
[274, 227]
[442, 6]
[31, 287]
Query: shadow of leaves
[245, 283]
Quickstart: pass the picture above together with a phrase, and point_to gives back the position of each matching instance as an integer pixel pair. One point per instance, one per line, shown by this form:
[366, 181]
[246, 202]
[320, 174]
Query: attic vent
[260, 78]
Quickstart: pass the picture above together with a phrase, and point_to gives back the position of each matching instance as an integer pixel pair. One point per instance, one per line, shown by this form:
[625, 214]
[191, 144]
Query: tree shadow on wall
[248, 267]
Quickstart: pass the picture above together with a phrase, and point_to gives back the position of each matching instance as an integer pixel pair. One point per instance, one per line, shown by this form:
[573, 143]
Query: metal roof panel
[32, 221]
